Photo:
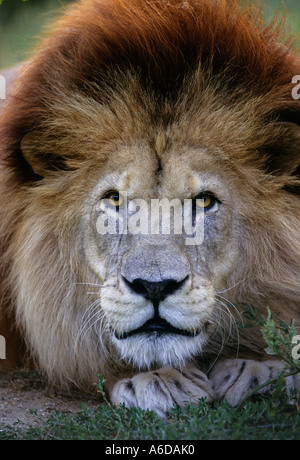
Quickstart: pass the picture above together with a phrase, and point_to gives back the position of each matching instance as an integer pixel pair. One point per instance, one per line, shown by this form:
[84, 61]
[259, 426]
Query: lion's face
[160, 296]
[158, 290]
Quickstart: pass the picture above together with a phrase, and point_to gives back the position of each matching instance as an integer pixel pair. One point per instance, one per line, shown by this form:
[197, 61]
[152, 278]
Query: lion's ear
[36, 154]
[283, 150]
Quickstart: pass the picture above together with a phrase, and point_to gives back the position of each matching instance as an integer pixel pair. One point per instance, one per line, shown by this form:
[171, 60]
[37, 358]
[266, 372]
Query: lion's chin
[147, 350]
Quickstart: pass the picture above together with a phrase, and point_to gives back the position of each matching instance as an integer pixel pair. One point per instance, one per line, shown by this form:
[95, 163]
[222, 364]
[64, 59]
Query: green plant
[278, 337]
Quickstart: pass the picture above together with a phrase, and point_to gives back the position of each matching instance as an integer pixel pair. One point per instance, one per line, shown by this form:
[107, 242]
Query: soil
[26, 400]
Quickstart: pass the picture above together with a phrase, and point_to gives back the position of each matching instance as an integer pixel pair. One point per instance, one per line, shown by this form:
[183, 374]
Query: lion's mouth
[157, 326]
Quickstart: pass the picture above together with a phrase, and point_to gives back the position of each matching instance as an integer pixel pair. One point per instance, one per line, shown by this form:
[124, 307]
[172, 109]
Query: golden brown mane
[163, 41]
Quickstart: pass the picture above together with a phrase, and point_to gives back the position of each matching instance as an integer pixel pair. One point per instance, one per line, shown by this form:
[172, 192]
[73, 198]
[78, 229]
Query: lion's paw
[160, 390]
[233, 379]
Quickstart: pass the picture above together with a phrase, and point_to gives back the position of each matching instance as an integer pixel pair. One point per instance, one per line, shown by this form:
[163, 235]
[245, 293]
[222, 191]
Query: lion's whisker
[88, 316]
[225, 327]
[93, 320]
[90, 284]
[232, 287]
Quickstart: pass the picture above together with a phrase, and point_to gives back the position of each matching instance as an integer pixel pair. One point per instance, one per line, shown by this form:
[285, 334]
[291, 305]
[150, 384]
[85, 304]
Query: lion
[127, 104]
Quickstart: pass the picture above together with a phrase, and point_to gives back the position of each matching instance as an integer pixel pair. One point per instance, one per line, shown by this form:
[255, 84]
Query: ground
[30, 409]
[25, 399]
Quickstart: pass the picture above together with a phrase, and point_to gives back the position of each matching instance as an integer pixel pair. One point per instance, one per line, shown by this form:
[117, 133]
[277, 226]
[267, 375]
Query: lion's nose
[155, 291]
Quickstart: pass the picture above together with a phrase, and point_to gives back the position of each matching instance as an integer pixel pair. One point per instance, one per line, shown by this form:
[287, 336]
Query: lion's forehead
[179, 172]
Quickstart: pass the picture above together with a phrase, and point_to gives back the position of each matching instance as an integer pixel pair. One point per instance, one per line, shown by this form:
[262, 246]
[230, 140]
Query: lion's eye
[205, 201]
[114, 198]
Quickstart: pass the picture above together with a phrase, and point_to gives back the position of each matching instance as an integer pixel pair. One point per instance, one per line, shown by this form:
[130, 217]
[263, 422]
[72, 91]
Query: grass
[272, 417]
[268, 418]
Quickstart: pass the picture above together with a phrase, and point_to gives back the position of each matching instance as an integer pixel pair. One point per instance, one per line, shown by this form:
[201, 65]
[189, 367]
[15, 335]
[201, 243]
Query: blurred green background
[21, 23]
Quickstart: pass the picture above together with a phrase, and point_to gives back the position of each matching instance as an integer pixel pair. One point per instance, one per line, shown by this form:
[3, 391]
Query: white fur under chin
[144, 351]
